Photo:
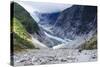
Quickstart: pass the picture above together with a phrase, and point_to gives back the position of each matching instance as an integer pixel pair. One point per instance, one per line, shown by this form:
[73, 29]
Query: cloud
[43, 7]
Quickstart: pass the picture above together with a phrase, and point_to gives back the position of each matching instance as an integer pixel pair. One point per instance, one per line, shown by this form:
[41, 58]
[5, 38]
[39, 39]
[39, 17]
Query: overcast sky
[43, 7]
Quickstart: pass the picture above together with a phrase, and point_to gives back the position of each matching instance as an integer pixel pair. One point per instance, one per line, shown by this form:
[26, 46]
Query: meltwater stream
[52, 36]
[56, 38]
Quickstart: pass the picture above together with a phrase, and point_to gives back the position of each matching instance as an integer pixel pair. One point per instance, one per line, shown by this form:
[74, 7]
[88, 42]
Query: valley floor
[50, 56]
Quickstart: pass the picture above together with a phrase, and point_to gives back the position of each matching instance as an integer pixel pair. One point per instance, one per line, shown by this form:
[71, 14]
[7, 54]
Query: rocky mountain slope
[76, 21]
[71, 28]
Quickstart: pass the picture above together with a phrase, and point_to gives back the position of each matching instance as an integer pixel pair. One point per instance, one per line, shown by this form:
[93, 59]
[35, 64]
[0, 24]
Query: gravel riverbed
[50, 56]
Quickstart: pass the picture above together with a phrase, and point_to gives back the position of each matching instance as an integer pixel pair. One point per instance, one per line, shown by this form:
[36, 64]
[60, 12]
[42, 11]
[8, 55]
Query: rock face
[76, 21]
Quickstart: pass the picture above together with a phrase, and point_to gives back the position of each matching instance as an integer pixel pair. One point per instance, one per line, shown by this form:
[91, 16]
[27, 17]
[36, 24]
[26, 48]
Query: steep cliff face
[76, 21]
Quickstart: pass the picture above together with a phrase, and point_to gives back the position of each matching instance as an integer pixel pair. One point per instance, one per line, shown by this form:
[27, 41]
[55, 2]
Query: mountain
[74, 27]
[70, 28]
[21, 38]
[26, 32]
[76, 21]
[22, 25]
[22, 15]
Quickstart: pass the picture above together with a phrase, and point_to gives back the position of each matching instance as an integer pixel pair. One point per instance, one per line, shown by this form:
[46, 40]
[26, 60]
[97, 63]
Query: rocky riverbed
[50, 56]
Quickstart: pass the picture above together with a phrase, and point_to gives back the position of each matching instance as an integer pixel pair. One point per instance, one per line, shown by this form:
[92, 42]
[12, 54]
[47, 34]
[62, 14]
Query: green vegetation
[91, 44]
[19, 29]
[24, 17]
[22, 25]
[21, 37]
